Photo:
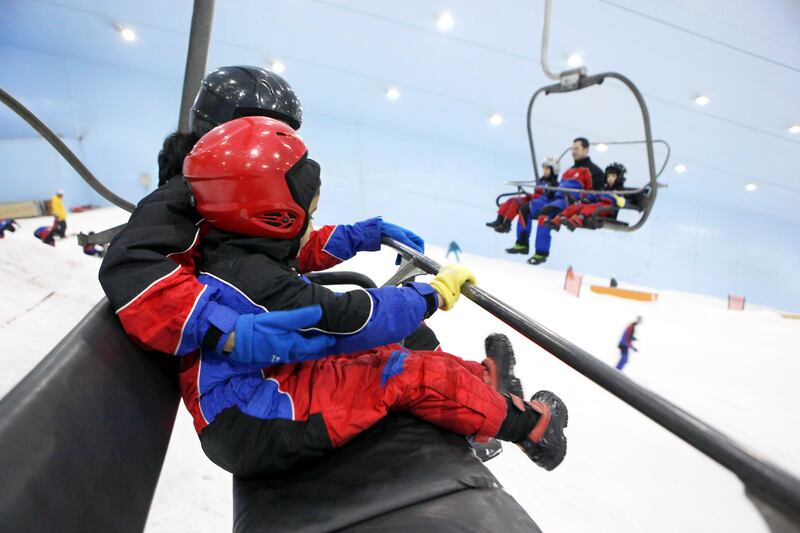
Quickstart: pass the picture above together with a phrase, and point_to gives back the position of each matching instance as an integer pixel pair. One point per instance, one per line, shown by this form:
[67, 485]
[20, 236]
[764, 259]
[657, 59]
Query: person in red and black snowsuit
[257, 189]
[577, 215]
[626, 342]
[47, 234]
[510, 209]
[7, 224]
[149, 270]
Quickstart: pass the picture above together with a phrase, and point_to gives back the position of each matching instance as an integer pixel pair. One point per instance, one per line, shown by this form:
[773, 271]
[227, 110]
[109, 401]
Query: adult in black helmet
[225, 94]
[149, 269]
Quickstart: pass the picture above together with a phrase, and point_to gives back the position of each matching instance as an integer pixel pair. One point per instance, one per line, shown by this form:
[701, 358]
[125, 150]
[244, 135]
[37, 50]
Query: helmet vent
[278, 219]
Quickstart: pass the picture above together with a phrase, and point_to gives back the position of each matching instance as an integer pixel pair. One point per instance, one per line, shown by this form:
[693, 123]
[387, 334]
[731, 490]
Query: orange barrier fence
[625, 293]
[573, 282]
[735, 303]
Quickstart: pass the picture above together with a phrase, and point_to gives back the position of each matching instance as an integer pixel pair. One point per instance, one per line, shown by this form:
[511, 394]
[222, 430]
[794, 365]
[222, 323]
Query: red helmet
[579, 174]
[238, 173]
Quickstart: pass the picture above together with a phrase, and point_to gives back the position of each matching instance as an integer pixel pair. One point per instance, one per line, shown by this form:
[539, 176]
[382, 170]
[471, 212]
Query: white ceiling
[342, 54]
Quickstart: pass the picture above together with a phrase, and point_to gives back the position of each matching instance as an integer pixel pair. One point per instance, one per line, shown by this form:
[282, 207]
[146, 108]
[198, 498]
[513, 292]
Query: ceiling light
[127, 34]
[393, 94]
[445, 21]
[750, 187]
[702, 100]
[794, 128]
[680, 168]
[575, 60]
[602, 147]
[496, 119]
[278, 67]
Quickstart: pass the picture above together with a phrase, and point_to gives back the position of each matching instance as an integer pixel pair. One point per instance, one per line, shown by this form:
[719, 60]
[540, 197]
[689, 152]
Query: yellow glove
[620, 200]
[448, 282]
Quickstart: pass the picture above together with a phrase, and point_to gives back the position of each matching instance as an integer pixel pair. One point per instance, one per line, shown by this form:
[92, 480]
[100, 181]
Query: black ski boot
[499, 374]
[504, 226]
[486, 450]
[546, 444]
[496, 222]
[537, 259]
[499, 364]
[518, 249]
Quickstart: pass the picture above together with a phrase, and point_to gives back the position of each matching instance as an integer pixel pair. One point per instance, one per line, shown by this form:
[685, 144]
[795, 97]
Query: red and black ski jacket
[149, 273]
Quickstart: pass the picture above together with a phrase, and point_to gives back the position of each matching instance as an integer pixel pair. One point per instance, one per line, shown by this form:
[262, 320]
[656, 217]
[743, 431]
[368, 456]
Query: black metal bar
[342, 278]
[199, 38]
[775, 485]
[64, 150]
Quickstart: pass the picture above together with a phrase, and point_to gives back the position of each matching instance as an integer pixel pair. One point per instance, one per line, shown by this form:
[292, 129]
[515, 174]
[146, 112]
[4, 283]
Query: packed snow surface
[738, 371]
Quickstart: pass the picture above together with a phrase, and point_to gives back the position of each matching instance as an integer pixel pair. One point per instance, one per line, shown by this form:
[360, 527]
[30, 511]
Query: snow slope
[622, 472]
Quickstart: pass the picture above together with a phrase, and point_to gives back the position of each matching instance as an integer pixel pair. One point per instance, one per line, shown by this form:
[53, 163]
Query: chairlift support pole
[196, 57]
[771, 485]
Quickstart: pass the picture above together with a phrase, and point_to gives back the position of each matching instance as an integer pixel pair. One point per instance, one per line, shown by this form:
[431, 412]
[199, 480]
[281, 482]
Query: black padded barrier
[83, 436]
[400, 475]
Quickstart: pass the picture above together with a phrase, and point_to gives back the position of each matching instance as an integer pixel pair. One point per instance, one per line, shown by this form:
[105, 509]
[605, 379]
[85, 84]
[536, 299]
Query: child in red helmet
[257, 189]
[609, 204]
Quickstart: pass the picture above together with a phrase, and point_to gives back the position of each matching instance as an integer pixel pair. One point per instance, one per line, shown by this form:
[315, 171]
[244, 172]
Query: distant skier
[454, 249]
[46, 234]
[94, 249]
[626, 342]
[7, 224]
[60, 212]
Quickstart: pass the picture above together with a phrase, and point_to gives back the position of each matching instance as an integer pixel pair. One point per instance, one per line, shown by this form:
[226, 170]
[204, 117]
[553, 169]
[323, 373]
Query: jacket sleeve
[148, 274]
[331, 245]
[359, 319]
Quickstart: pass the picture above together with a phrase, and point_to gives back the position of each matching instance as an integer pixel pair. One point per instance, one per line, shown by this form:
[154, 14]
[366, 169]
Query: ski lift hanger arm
[575, 81]
[769, 482]
[62, 149]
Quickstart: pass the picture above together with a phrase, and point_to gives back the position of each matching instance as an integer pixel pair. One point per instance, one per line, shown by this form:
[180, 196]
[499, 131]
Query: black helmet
[618, 169]
[232, 92]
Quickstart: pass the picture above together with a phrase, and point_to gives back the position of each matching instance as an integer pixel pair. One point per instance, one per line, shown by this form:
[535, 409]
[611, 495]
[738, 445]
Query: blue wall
[115, 119]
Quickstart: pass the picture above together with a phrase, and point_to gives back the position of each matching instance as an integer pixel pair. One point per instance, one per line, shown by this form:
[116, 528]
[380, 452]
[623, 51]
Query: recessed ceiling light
[127, 34]
[575, 60]
[702, 100]
[392, 94]
[680, 168]
[496, 119]
[750, 187]
[794, 128]
[278, 67]
[445, 21]
[602, 147]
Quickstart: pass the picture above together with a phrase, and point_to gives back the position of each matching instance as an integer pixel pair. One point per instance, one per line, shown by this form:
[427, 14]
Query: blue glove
[273, 337]
[400, 234]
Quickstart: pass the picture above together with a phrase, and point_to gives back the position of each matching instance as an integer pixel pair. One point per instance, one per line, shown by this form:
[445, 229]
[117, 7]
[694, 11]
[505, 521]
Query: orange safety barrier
[625, 293]
[735, 303]
[573, 282]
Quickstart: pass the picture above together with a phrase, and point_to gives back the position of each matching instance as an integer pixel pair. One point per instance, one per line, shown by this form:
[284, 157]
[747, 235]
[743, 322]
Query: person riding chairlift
[578, 215]
[511, 208]
[578, 178]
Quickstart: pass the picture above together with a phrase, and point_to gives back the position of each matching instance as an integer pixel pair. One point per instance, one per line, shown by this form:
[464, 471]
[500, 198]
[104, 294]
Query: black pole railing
[771, 484]
[196, 56]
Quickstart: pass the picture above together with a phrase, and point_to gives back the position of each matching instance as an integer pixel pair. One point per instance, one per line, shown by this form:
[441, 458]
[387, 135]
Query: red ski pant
[586, 210]
[354, 392]
[510, 208]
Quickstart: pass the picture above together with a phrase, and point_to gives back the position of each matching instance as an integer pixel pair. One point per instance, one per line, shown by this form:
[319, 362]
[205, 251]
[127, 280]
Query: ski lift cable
[64, 150]
[770, 483]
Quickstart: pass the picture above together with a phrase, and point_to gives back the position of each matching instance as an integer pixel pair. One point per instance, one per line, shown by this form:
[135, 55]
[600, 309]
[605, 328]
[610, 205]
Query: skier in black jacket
[580, 156]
